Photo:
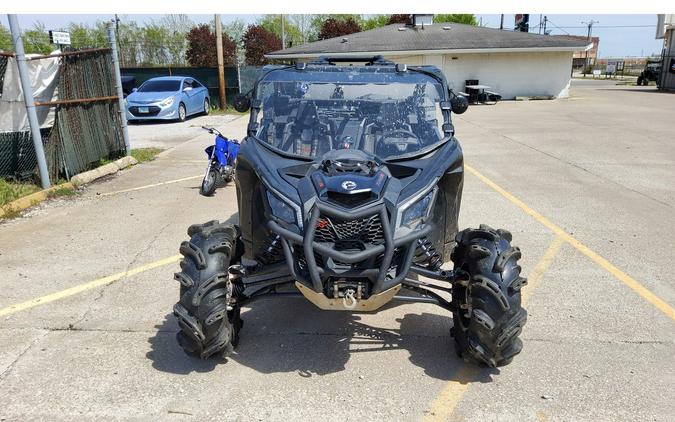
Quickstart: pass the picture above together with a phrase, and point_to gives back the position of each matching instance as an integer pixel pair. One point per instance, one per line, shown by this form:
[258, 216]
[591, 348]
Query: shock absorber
[426, 254]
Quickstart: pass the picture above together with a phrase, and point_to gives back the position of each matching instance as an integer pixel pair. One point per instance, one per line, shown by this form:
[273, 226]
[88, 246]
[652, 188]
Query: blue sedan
[167, 98]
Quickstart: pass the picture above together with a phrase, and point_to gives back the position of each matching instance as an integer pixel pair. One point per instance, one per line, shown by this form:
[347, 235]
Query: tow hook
[349, 301]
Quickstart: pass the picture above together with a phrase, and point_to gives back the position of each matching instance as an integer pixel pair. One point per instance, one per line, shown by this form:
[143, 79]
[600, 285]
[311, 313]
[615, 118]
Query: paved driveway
[586, 185]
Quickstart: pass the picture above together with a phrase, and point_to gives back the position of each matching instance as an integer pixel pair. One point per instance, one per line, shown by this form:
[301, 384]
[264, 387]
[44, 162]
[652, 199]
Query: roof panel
[439, 36]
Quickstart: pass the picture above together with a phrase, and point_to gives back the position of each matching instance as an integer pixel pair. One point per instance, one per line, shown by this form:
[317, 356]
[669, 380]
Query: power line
[551, 22]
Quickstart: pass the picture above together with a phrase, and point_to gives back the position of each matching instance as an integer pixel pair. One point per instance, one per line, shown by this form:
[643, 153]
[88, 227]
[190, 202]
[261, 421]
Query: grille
[152, 111]
[365, 230]
[350, 200]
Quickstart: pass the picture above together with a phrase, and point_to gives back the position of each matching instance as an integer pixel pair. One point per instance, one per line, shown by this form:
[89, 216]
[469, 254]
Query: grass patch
[229, 110]
[11, 191]
[145, 154]
[61, 191]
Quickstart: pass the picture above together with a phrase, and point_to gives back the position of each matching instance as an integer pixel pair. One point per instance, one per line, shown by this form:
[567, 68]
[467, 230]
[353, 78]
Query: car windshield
[160, 85]
[388, 120]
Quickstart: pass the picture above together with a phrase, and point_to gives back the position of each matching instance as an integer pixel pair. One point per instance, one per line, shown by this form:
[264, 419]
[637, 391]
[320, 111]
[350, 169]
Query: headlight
[167, 102]
[413, 215]
[281, 209]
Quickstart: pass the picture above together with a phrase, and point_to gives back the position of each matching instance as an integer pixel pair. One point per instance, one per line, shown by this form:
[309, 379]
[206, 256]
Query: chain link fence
[17, 154]
[3, 66]
[85, 132]
[247, 77]
[87, 124]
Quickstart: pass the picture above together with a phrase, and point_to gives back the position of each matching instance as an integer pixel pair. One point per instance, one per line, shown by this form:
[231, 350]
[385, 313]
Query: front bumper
[155, 112]
[384, 263]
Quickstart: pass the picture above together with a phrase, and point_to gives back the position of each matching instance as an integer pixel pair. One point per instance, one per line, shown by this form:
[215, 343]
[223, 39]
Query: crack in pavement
[101, 291]
[595, 340]
[12, 364]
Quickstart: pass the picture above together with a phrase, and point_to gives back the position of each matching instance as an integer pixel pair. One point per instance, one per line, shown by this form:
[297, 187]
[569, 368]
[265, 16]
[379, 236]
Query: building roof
[439, 38]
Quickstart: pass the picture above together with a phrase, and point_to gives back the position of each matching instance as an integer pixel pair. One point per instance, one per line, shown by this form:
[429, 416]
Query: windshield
[160, 86]
[387, 120]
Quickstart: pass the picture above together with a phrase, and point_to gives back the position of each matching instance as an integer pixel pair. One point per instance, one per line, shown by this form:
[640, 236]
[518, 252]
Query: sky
[620, 35]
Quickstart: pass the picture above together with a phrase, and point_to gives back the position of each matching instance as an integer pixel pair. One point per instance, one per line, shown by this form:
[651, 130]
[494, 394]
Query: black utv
[651, 72]
[349, 184]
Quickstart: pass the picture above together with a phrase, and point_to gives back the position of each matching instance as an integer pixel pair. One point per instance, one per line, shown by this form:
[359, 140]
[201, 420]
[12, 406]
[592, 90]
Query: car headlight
[283, 210]
[417, 211]
[167, 102]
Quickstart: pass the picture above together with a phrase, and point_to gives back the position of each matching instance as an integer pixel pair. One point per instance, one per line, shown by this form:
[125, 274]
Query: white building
[511, 63]
[665, 29]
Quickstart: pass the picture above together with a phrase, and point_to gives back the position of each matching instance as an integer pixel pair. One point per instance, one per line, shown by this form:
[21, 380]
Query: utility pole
[117, 35]
[27, 89]
[118, 84]
[545, 22]
[283, 33]
[221, 69]
[590, 31]
[501, 22]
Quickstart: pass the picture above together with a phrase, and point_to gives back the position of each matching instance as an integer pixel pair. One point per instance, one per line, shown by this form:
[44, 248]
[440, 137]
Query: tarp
[44, 77]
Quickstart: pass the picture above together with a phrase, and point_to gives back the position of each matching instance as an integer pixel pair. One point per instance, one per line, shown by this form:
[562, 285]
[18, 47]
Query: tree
[235, 30]
[258, 41]
[400, 18]
[272, 23]
[36, 40]
[201, 50]
[305, 24]
[5, 39]
[332, 28]
[464, 18]
[376, 21]
[130, 36]
[177, 28]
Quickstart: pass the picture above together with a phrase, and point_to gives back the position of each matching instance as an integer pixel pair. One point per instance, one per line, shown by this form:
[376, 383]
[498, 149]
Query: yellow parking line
[537, 274]
[448, 399]
[636, 286]
[86, 286]
[450, 396]
[152, 185]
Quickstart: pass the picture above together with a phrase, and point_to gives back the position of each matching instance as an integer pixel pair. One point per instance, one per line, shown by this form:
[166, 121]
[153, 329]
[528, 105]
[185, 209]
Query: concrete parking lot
[586, 185]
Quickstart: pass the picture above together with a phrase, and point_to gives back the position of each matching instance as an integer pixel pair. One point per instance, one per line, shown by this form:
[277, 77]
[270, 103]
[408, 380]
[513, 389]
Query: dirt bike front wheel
[209, 183]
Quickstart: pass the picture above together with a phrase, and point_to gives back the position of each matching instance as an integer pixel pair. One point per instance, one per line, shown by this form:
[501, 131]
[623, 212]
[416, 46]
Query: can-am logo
[348, 185]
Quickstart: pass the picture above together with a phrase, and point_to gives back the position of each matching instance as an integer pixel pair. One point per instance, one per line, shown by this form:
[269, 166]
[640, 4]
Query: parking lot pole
[118, 84]
[27, 89]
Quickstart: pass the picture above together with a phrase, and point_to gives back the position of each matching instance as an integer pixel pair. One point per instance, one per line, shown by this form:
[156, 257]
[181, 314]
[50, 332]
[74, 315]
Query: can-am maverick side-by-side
[349, 185]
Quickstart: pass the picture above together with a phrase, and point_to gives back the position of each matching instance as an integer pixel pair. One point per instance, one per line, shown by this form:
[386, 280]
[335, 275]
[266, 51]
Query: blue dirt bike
[222, 156]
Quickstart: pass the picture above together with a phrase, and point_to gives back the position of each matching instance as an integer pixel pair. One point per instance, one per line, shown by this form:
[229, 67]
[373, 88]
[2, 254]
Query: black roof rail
[368, 60]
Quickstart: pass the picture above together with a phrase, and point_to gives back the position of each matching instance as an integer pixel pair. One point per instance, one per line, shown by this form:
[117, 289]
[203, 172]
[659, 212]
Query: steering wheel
[388, 139]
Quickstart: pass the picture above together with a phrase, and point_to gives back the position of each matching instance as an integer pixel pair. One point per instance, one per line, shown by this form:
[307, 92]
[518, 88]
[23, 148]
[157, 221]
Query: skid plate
[374, 302]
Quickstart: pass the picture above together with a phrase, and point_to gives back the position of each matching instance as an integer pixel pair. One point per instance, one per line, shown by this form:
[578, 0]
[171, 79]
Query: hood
[349, 178]
[149, 97]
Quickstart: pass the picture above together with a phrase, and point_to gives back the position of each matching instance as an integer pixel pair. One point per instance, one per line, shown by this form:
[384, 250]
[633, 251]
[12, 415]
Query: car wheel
[182, 113]
[207, 107]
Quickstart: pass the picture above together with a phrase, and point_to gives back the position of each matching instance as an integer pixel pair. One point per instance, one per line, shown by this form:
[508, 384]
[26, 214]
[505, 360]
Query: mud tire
[489, 316]
[207, 327]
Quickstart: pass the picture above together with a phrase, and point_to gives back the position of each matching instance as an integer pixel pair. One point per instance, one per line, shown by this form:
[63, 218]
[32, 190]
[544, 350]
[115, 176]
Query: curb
[33, 199]
[75, 182]
[106, 170]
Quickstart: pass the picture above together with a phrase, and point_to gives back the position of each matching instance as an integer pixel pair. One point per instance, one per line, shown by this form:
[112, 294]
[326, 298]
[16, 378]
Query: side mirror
[241, 103]
[459, 104]
[187, 88]
[134, 89]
